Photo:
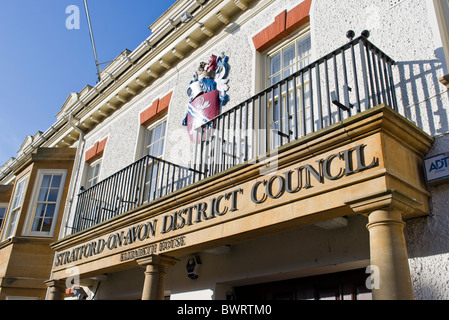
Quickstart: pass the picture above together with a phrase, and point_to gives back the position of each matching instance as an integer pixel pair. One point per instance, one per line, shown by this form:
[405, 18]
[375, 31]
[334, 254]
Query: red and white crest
[207, 93]
[203, 108]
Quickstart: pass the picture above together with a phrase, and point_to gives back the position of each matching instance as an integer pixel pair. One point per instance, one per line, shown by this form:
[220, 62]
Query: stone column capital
[390, 200]
[56, 289]
[52, 283]
[159, 260]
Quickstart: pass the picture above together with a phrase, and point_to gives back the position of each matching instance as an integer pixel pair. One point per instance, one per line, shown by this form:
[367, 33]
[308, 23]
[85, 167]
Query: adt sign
[437, 168]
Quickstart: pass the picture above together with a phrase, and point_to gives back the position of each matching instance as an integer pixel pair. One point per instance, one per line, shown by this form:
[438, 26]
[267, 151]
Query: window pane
[37, 224]
[275, 79]
[46, 226]
[96, 169]
[18, 195]
[53, 195]
[56, 181]
[42, 195]
[46, 181]
[162, 147]
[156, 149]
[50, 212]
[91, 173]
[40, 210]
[304, 47]
[2, 217]
[163, 129]
[12, 224]
[157, 133]
[289, 57]
[275, 64]
[150, 137]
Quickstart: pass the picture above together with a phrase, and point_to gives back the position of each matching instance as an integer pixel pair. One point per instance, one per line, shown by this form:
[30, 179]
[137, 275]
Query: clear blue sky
[41, 61]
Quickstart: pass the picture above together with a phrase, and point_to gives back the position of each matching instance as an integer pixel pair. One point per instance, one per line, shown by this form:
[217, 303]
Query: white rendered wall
[407, 33]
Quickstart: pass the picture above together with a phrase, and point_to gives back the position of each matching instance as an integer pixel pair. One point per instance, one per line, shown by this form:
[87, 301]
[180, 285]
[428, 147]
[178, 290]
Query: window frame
[90, 166]
[153, 171]
[293, 40]
[150, 127]
[27, 231]
[8, 231]
[5, 214]
[296, 37]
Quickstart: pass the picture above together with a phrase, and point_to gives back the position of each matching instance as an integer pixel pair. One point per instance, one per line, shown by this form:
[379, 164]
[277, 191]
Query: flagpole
[92, 40]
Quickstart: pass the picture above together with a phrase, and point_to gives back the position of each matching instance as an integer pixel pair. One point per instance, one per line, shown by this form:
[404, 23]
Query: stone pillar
[389, 254]
[388, 251]
[154, 285]
[56, 289]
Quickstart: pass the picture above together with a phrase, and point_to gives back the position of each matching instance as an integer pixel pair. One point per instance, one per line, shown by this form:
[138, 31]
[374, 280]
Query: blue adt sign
[437, 168]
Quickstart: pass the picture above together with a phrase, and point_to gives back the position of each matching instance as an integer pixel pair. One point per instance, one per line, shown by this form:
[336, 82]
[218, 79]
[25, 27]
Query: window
[282, 61]
[154, 146]
[289, 58]
[16, 206]
[3, 207]
[46, 199]
[93, 173]
[154, 139]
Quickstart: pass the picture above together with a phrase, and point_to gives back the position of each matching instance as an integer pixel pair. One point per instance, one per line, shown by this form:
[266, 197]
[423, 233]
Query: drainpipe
[71, 191]
[74, 177]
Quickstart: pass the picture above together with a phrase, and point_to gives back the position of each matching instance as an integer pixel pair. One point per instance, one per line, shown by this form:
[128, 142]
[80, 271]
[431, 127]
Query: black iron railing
[145, 180]
[345, 82]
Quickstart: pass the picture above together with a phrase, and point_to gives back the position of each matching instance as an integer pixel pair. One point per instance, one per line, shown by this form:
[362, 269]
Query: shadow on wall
[421, 96]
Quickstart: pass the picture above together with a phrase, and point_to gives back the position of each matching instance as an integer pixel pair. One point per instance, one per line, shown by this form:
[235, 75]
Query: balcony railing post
[318, 93]
[328, 94]
[364, 74]
[356, 81]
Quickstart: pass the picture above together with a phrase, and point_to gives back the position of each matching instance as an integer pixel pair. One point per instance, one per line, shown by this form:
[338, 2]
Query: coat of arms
[207, 93]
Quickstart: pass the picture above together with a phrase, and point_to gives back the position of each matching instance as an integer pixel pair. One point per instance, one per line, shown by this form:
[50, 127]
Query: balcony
[345, 82]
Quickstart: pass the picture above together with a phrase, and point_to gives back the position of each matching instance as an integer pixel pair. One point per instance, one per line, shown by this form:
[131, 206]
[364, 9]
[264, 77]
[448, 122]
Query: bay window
[16, 207]
[45, 202]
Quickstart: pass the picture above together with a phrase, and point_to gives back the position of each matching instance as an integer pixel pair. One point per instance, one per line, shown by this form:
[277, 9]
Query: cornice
[168, 45]
[161, 52]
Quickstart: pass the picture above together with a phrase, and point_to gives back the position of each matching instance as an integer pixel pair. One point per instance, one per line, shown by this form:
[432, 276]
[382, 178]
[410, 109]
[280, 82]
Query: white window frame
[91, 167]
[155, 177]
[3, 220]
[11, 226]
[295, 39]
[150, 127]
[34, 203]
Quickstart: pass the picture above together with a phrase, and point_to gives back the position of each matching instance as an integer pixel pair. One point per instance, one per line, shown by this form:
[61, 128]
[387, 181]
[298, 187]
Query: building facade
[259, 149]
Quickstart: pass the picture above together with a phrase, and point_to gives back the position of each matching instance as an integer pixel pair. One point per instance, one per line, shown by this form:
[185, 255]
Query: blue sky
[41, 61]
